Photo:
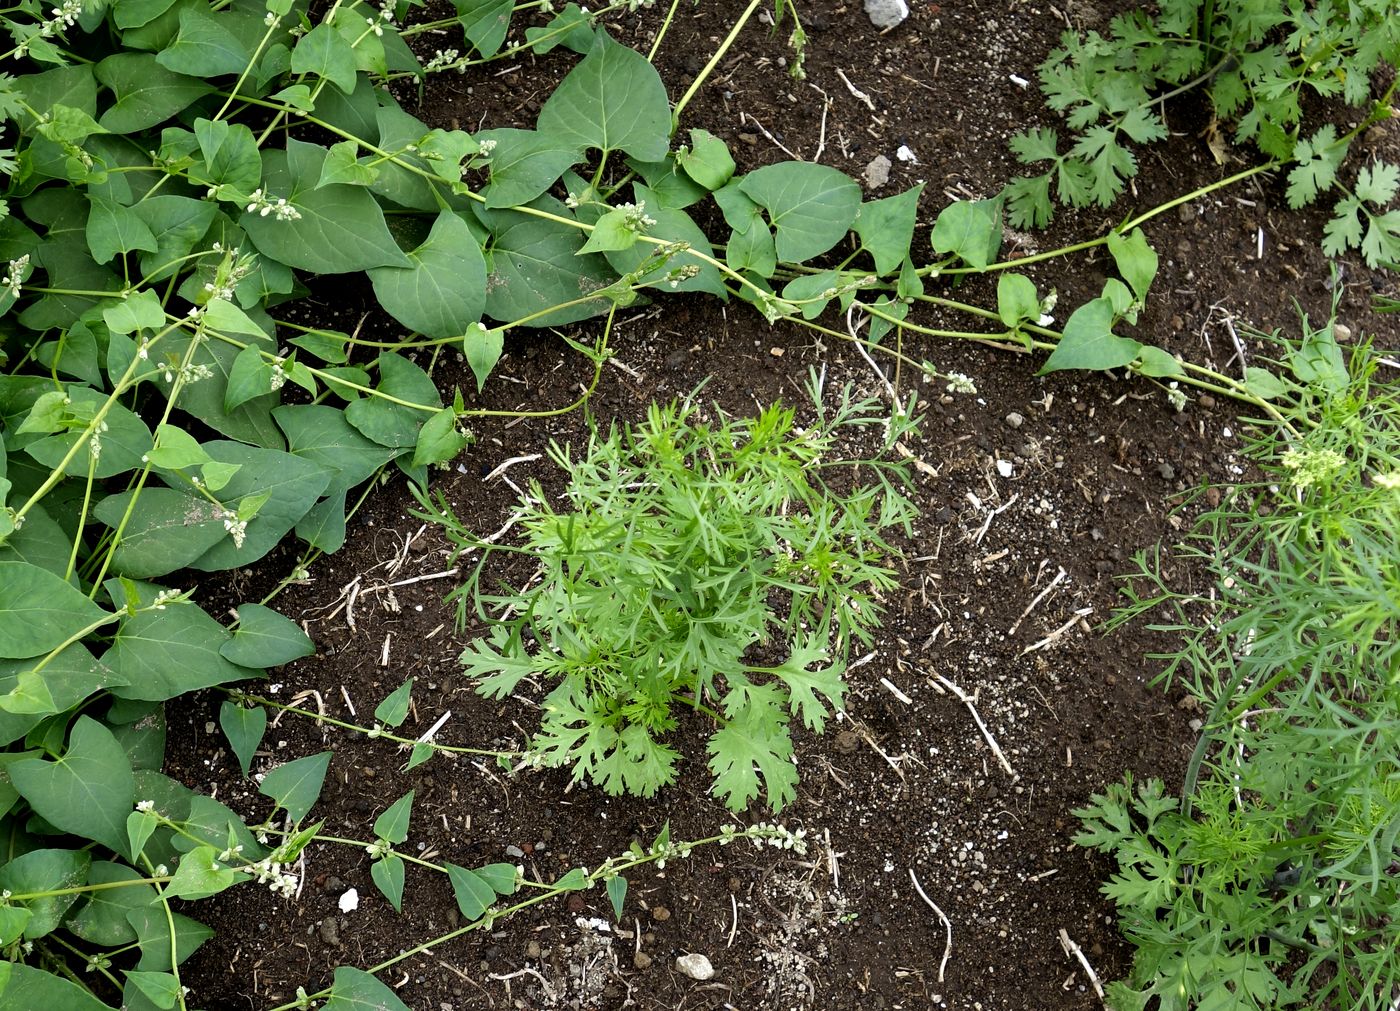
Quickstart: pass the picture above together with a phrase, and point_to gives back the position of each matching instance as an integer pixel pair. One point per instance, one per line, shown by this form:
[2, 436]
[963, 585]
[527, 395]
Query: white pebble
[349, 901]
[1004, 468]
[886, 13]
[695, 966]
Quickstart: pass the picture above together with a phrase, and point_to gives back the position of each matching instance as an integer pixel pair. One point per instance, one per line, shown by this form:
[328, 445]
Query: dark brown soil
[901, 783]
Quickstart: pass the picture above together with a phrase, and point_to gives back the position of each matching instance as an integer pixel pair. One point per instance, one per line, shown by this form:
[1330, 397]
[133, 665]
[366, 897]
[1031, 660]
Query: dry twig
[947, 924]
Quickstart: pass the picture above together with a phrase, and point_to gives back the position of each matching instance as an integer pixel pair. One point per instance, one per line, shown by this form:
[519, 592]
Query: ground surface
[904, 781]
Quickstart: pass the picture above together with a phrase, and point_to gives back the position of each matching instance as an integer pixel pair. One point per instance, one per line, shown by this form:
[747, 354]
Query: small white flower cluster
[14, 275]
[635, 216]
[386, 16]
[1047, 306]
[235, 527]
[960, 383]
[65, 16]
[95, 443]
[162, 598]
[777, 836]
[1310, 466]
[267, 872]
[1389, 481]
[259, 201]
[679, 274]
[191, 373]
[444, 59]
[486, 147]
[379, 849]
[279, 376]
[270, 19]
[1176, 397]
[233, 269]
[145, 805]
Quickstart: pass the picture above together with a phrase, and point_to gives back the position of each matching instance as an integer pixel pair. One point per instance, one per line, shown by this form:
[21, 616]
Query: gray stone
[877, 173]
[886, 13]
[695, 966]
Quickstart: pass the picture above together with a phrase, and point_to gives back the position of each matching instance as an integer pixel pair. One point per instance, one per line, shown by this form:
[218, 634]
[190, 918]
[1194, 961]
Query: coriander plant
[1273, 882]
[1260, 63]
[720, 566]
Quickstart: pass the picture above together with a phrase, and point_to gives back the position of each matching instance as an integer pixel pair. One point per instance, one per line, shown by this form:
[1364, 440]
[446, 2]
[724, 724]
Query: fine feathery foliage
[1273, 883]
[708, 566]
[1258, 62]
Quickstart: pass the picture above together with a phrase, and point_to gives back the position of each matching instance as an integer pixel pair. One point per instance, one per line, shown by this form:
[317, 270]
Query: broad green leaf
[388, 874]
[231, 158]
[439, 440]
[1264, 384]
[523, 164]
[617, 895]
[355, 990]
[1090, 343]
[807, 291]
[249, 378]
[88, 792]
[485, 23]
[708, 161]
[610, 232]
[970, 229]
[294, 786]
[45, 870]
[574, 880]
[161, 988]
[811, 207]
[40, 541]
[502, 877]
[532, 266]
[162, 654]
[570, 28]
[749, 755]
[394, 424]
[323, 526]
[69, 678]
[886, 228]
[292, 486]
[210, 823]
[177, 449]
[673, 188]
[482, 348]
[39, 610]
[325, 52]
[321, 434]
[206, 46]
[339, 229]
[613, 101]
[146, 93]
[142, 311]
[29, 988]
[244, 727]
[752, 250]
[443, 289]
[394, 709]
[1136, 260]
[1017, 300]
[122, 445]
[343, 165]
[102, 919]
[154, 935]
[1158, 363]
[200, 875]
[265, 638]
[474, 895]
[140, 826]
[165, 530]
[251, 422]
[113, 229]
[392, 823]
[13, 920]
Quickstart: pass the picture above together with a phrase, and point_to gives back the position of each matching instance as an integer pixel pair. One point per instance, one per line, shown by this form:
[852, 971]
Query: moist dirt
[1034, 490]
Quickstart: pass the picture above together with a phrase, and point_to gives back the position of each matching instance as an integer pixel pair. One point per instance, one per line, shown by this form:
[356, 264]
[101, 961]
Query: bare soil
[904, 781]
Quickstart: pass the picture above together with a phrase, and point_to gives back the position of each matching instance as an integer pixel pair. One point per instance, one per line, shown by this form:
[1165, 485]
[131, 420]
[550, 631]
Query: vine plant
[179, 172]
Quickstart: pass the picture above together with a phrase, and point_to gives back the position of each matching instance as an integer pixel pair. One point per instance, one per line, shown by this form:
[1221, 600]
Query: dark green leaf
[387, 874]
[393, 424]
[392, 711]
[162, 654]
[244, 727]
[617, 894]
[474, 895]
[102, 919]
[1090, 343]
[970, 229]
[354, 990]
[439, 440]
[31, 988]
[614, 101]
[146, 92]
[265, 638]
[295, 786]
[811, 207]
[39, 610]
[45, 870]
[523, 164]
[153, 931]
[443, 289]
[392, 823]
[205, 46]
[886, 228]
[89, 791]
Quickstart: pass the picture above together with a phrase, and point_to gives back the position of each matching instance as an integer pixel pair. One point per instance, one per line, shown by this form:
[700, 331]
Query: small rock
[514, 851]
[906, 153]
[1196, 725]
[641, 960]
[660, 914]
[1166, 470]
[848, 740]
[575, 902]
[1206, 401]
[695, 966]
[886, 13]
[877, 173]
[1015, 420]
[1004, 468]
[1342, 332]
[350, 901]
[532, 950]
[330, 931]
[334, 885]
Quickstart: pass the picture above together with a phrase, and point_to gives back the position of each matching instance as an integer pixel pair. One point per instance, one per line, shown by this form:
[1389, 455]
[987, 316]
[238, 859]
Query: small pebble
[514, 851]
[1166, 470]
[1015, 420]
[330, 931]
[641, 960]
[1004, 468]
[532, 950]
[877, 173]
[1342, 332]
[695, 966]
[886, 13]
[660, 914]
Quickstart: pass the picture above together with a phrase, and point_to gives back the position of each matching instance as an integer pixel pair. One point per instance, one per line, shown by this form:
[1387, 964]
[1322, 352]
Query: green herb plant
[1272, 882]
[706, 566]
[1259, 63]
